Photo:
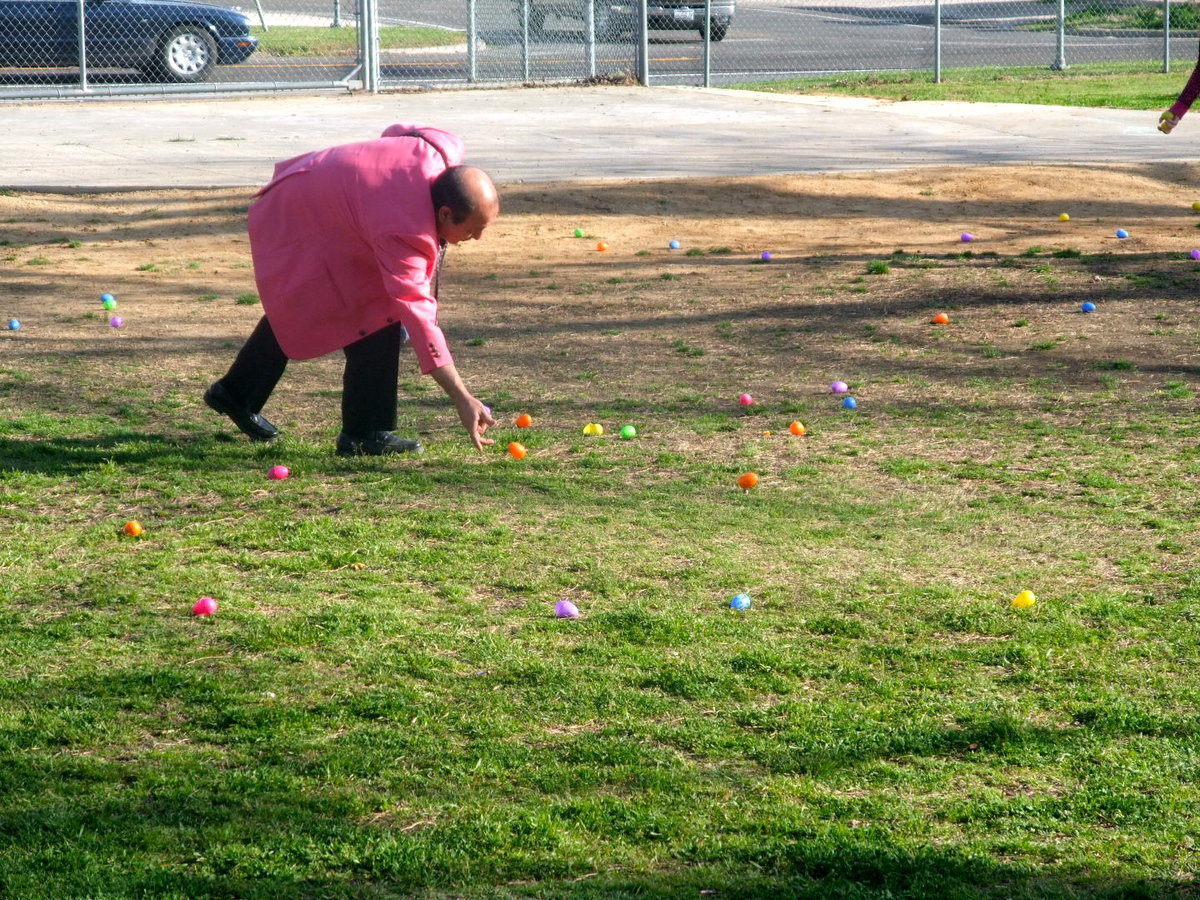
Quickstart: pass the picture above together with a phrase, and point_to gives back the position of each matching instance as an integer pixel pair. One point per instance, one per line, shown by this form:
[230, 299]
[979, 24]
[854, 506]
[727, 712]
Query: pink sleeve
[406, 278]
[1188, 95]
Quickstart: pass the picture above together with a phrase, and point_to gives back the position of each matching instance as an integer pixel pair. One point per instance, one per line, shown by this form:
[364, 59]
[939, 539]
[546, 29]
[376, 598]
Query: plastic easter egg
[740, 602]
[1024, 600]
[1063, 217]
[524, 420]
[116, 321]
[1195, 254]
[1122, 233]
[746, 400]
[850, 403]
[517, 451]
[565, 609]
[765, 256]
[1087, 306]
[966, 237]
[1196, 206]
[674, 245]
[14, 324]
[628, 432]
[797, 428]
[132, 528]
[279, 472]
[593, 428]
[747, 481]
[578, 232]
[941, 319]
[602, 246]
[205, 606]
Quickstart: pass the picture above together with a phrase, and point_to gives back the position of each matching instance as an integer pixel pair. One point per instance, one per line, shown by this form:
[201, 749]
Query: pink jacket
[345, 243]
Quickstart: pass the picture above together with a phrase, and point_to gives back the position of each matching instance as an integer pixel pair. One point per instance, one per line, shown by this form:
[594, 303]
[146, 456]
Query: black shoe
[249, 423]
[376, 443]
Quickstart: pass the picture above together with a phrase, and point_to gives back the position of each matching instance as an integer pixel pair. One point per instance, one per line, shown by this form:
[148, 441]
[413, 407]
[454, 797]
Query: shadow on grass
[244, 834]
[72, 455]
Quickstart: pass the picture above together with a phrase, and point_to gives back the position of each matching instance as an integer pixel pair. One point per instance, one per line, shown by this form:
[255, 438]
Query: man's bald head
[465, 190]
[465, 202]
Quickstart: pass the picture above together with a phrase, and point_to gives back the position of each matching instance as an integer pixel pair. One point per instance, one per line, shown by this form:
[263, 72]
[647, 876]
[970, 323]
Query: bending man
[347, 244]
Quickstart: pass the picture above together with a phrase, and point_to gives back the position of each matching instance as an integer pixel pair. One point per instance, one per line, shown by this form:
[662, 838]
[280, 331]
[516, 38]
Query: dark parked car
[613, 20]
[163, 39]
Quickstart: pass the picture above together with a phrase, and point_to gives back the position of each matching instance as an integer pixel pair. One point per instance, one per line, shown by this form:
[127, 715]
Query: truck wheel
[716, 32]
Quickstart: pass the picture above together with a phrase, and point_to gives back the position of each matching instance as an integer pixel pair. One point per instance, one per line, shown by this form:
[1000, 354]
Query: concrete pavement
[560, 133]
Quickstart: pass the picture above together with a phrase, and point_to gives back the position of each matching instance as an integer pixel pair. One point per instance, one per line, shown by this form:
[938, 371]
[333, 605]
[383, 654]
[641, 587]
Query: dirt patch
[540, 318]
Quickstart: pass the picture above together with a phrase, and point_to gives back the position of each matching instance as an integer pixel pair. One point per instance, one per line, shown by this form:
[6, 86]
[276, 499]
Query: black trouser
[368, 381]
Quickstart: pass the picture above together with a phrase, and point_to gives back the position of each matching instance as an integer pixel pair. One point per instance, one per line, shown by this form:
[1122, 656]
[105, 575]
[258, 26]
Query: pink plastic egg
[205, 606]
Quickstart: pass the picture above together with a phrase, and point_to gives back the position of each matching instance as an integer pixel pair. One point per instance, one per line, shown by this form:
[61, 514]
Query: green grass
[385, 705]
[299, 40]
[1128, 85]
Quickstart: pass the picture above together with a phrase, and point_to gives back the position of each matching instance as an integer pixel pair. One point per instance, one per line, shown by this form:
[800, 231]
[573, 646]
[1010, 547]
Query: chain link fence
[770, 39]
[78, 47]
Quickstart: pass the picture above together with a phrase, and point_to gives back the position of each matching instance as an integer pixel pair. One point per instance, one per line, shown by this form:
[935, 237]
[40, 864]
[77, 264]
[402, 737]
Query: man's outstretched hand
[475, 417]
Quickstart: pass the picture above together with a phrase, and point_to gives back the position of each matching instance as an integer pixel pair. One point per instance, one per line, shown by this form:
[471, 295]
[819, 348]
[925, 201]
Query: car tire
[186, 54]
[716, 32]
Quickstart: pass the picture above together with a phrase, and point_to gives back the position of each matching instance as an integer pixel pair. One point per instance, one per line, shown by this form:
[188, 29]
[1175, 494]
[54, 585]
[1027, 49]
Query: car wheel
[716, 31]
[186, 54]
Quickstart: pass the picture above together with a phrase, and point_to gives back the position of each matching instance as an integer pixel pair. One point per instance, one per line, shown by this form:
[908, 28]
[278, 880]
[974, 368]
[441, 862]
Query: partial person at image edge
[347, 244]
[1169, 119]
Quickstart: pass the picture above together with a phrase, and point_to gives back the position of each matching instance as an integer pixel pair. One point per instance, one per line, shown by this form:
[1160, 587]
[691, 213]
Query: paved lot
[547, 134]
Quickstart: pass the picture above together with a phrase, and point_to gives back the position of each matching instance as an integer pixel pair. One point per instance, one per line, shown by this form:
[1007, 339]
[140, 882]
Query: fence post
[525, 40]
[1166, 35]
[590, 38]
[81, 25]
[369, 40]
[643, 44]
[1060, 56]
[472, 44]
[707, 42]
[937, 41]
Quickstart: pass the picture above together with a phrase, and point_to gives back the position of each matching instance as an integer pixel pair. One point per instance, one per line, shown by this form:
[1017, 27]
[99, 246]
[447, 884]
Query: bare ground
[542, 319]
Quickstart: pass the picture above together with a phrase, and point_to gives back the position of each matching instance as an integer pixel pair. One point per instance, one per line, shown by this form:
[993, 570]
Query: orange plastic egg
[133, 529]
[747, 481]
[517, 451]
[524, 420]
[797, 428]
[602, 246]
[941, 319]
